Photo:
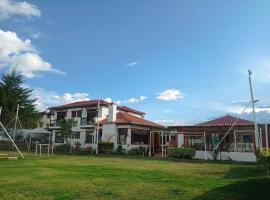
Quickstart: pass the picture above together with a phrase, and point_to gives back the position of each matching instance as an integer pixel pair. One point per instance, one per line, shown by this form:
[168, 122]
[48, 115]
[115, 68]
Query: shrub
[62, 148]
[119, 151]
[136, 152]
[175, 152]
[263, 156]
[85, 151]
[77, 146]
[105, 147]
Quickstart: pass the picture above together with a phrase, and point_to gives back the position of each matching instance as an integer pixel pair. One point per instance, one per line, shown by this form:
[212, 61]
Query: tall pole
[254, 113]
[235, 145]
[9, 136]
[16, 121]
[204, 140]
[97, 133]
[266, 138]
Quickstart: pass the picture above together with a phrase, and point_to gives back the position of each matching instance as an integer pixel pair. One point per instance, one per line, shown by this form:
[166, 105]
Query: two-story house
[118, 124]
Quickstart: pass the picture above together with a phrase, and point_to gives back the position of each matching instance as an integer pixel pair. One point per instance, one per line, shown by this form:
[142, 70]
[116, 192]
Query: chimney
[112, 113]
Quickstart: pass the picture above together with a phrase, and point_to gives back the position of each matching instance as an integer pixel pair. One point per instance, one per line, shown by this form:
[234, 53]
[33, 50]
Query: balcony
[87, 122]
[54, 124]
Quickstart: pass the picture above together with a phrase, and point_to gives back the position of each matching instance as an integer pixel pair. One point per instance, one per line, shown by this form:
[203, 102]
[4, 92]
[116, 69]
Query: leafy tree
[12, 93]
[66, 129]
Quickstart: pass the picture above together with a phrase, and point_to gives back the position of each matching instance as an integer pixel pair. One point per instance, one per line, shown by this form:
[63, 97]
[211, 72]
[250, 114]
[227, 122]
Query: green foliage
[263, 156]
[66, 129]
[66, 126]
[175, 152]
[136, 152]
[12, 93]
[120, 150]
[62, 148]
[105, 147]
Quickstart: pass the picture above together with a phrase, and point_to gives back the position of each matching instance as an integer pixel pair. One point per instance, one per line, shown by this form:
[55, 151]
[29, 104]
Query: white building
[118, 124]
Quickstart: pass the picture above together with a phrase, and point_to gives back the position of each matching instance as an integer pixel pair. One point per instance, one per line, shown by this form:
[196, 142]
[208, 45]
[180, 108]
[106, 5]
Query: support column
[162, 141]
[235, 146]
[266, 138]
[150, 144]
[128, 139]
[261, 138]
[205, 153]
[53, 136]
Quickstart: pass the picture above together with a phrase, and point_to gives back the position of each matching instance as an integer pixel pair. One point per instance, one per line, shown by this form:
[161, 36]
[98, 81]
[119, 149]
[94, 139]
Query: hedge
[105, 147]
[175, 152]
[263, 156]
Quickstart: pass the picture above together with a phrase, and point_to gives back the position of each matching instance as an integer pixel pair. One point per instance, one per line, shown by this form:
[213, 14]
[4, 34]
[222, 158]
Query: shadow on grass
[258, 189]
[242, 172]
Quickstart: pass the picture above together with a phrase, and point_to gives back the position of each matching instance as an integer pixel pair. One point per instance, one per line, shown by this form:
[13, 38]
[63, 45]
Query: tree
[66, 129]
[12, 93]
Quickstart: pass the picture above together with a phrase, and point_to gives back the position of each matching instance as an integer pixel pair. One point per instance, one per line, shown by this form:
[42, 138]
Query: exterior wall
[236, 156]
[110, 133]
[45, 121]
[180, 140]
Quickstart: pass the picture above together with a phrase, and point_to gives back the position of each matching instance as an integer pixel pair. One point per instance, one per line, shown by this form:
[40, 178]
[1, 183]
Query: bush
[105, 147]
[263, 156]
[119, 151]
[62, 148]
[77, 147]
[175, 152]
[136, 152]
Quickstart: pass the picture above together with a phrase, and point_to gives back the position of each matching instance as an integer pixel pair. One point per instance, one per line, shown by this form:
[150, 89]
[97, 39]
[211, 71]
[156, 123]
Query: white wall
[236, 156]
[109, 133]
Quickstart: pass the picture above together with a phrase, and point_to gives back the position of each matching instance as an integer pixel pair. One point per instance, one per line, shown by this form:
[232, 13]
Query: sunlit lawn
[90, 177]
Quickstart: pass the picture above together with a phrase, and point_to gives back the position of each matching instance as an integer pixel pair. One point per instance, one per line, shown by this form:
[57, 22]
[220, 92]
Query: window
[76, 135]
[61, 115]
[59, 138]
[79, 113]
[73, 114]
[122, 136]
[76, 113]
[89, 138]
[139, 137]
[92, 113]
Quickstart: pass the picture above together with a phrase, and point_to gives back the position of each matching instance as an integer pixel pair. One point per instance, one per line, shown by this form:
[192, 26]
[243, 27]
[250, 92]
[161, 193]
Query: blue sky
[179, 61]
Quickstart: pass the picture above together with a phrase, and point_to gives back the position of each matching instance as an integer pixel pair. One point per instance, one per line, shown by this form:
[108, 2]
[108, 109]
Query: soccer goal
[48, 148]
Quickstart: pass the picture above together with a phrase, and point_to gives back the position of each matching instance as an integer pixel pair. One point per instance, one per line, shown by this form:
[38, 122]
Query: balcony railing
[54, 123]
[85, 121]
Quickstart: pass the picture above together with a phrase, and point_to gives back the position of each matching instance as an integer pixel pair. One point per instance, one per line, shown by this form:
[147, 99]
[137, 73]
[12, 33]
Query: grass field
[89, 177]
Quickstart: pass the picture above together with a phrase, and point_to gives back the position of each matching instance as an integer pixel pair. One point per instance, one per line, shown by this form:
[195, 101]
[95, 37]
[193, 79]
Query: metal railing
[85, 121]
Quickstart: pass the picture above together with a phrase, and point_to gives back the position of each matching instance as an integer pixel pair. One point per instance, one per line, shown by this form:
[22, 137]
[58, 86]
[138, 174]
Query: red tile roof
[81, 103]
[125, 118]
[95, 102]
[127, 109]
[226, 121]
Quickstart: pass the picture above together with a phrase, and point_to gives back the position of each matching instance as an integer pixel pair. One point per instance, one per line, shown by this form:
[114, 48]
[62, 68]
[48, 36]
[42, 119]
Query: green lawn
[89, 177]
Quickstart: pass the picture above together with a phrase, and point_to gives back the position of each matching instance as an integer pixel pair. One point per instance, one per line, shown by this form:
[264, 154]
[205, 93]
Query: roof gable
[125, 118]
[226, 121]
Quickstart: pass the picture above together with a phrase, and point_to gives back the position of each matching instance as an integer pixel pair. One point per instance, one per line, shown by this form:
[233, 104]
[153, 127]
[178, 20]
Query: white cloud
[132, 64]
[170, 94]
[47, 99]
[134, 100]
[166, 122]
[237, 107]
[9, 8]
[22, 55]
[108, 99]
[128, 101]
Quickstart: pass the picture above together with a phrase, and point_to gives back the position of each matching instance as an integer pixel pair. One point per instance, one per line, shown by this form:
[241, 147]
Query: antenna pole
[254, 112]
